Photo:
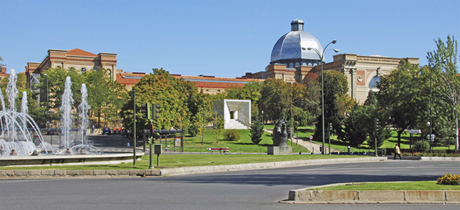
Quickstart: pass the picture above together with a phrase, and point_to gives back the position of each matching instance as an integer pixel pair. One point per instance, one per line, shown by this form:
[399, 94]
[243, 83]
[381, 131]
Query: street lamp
[47, 90]
[321, 56]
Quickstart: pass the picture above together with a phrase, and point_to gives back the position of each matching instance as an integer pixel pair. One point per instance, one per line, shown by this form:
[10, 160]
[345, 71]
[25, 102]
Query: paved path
[314, 147]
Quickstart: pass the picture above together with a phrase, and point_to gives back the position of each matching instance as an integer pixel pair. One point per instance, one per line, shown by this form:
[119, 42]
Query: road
[258, 189]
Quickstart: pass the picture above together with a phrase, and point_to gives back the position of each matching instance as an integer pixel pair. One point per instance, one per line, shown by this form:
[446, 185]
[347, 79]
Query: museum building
[295, 58]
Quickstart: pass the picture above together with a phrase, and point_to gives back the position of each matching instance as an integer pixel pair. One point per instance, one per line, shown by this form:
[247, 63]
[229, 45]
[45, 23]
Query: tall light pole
[321, 56]
[47, 102]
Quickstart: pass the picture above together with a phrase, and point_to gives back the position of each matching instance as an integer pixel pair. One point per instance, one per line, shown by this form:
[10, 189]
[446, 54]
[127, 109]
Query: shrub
[257, 131]
[421, 146]
[193, 130]
[449, 179]
[232, 135]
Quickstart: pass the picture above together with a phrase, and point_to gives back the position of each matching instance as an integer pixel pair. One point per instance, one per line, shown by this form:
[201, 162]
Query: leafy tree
[202, 119]
[218, 127]
[371, 117]
[275, 97]
[1, 64]
[353, 133]
[334, 87]
[103, 94]
[256, 131]
[443, 63]
[400, 97]
[312, 99]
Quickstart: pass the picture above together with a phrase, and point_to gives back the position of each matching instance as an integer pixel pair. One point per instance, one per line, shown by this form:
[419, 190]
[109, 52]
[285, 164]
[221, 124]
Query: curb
[268, 165]
[47, 174]
[306, 196]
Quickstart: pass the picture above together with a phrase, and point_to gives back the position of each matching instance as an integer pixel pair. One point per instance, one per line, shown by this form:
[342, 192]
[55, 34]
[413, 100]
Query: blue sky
[224, 38]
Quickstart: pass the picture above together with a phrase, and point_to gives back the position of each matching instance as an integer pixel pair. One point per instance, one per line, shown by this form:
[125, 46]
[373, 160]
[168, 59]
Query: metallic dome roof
[295, 44]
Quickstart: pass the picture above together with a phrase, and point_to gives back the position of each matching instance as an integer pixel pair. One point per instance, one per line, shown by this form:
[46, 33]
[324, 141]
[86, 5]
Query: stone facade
[361, 72]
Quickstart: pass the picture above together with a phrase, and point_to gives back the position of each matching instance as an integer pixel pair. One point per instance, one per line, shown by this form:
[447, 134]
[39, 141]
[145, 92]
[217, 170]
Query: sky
[222, 38]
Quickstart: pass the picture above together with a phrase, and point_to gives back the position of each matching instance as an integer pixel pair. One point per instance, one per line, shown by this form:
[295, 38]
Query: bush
[421, 146]
[449, 179]
[193, 130]
[257, 131]
[232, 135]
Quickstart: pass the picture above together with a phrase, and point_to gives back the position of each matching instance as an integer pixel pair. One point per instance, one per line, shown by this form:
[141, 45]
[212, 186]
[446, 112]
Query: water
[19, 131]
[83, 109]
[67, 118]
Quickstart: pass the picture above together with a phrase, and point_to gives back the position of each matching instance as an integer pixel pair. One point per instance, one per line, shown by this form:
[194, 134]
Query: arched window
[297, 64]
[83, 70]
[291, 65]
[72, 68]
[373, 82]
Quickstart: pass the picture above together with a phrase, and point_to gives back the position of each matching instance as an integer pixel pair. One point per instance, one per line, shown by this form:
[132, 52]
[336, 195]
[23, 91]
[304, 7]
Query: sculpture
[280, 134]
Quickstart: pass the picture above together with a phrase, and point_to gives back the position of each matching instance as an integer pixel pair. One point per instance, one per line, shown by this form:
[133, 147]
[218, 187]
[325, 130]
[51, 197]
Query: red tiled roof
[127, 81]
[79, 52]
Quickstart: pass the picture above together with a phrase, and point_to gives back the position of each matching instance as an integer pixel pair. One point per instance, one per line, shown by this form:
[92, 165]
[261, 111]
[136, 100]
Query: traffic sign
[311, 137]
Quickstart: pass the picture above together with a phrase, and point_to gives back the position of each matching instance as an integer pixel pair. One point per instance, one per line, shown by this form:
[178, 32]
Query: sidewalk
[313, 147]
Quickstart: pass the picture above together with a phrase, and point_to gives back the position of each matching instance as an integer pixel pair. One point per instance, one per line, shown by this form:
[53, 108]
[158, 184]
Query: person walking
[397, 152]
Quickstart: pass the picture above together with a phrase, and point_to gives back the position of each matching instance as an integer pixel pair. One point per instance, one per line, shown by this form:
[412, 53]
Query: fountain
[16, 138]
[21, 142]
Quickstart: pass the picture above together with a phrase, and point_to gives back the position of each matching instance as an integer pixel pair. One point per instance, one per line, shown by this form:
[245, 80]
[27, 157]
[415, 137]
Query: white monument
[236, 113]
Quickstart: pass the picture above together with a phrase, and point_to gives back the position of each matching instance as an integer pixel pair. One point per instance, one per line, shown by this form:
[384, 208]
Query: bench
[224, 149]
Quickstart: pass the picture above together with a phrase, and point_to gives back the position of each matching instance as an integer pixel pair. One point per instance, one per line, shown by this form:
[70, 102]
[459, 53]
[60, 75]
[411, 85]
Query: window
[83, 70]
[374, 81]
[297, 64]
[291, 65]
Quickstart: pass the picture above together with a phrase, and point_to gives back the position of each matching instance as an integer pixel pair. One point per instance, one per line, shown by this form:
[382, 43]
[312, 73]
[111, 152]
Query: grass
[184, 160]
[419, 185]
[243, 145]
[306, 131]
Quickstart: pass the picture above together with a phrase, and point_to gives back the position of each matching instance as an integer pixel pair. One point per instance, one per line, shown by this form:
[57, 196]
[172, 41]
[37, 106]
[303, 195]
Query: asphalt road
[260, 189]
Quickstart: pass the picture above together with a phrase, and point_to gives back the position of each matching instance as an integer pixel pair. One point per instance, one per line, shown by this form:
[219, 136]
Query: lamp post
[321, 56]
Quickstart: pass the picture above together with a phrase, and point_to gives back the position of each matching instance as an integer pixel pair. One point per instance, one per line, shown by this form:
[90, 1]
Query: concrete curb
[256, 166]
[305, 195]
[46, 174]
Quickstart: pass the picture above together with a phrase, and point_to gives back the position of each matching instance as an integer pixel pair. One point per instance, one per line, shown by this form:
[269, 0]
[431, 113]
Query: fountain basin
[83, 159]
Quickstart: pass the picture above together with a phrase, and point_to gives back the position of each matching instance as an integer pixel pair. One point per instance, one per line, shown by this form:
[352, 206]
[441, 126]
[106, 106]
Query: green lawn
[306, 131]
[182, 160]
[243, 145]
[420, 185]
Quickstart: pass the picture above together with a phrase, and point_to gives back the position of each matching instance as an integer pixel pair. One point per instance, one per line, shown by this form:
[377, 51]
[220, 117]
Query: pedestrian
[397, 152]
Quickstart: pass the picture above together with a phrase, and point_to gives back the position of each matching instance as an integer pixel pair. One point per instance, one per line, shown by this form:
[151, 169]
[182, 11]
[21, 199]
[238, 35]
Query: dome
[293, 46]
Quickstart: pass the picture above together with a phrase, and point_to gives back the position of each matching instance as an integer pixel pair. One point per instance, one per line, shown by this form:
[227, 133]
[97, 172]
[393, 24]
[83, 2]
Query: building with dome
[292, 62]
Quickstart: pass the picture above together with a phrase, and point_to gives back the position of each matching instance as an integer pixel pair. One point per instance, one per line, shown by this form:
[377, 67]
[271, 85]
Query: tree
[256, 131]
[275, 98]
[169, 93]
[312, 99]
[1, 64]
[218, 127]
[104, 94]
[353, 132]
[400, 97]
[335, 85]
[443, 62]
[202, 119]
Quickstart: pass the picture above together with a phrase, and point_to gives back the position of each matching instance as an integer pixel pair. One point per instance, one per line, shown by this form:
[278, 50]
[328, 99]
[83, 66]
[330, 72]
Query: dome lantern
[297, 25]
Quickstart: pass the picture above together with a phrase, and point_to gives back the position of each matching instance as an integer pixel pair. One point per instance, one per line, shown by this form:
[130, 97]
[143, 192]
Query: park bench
[221, 149]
